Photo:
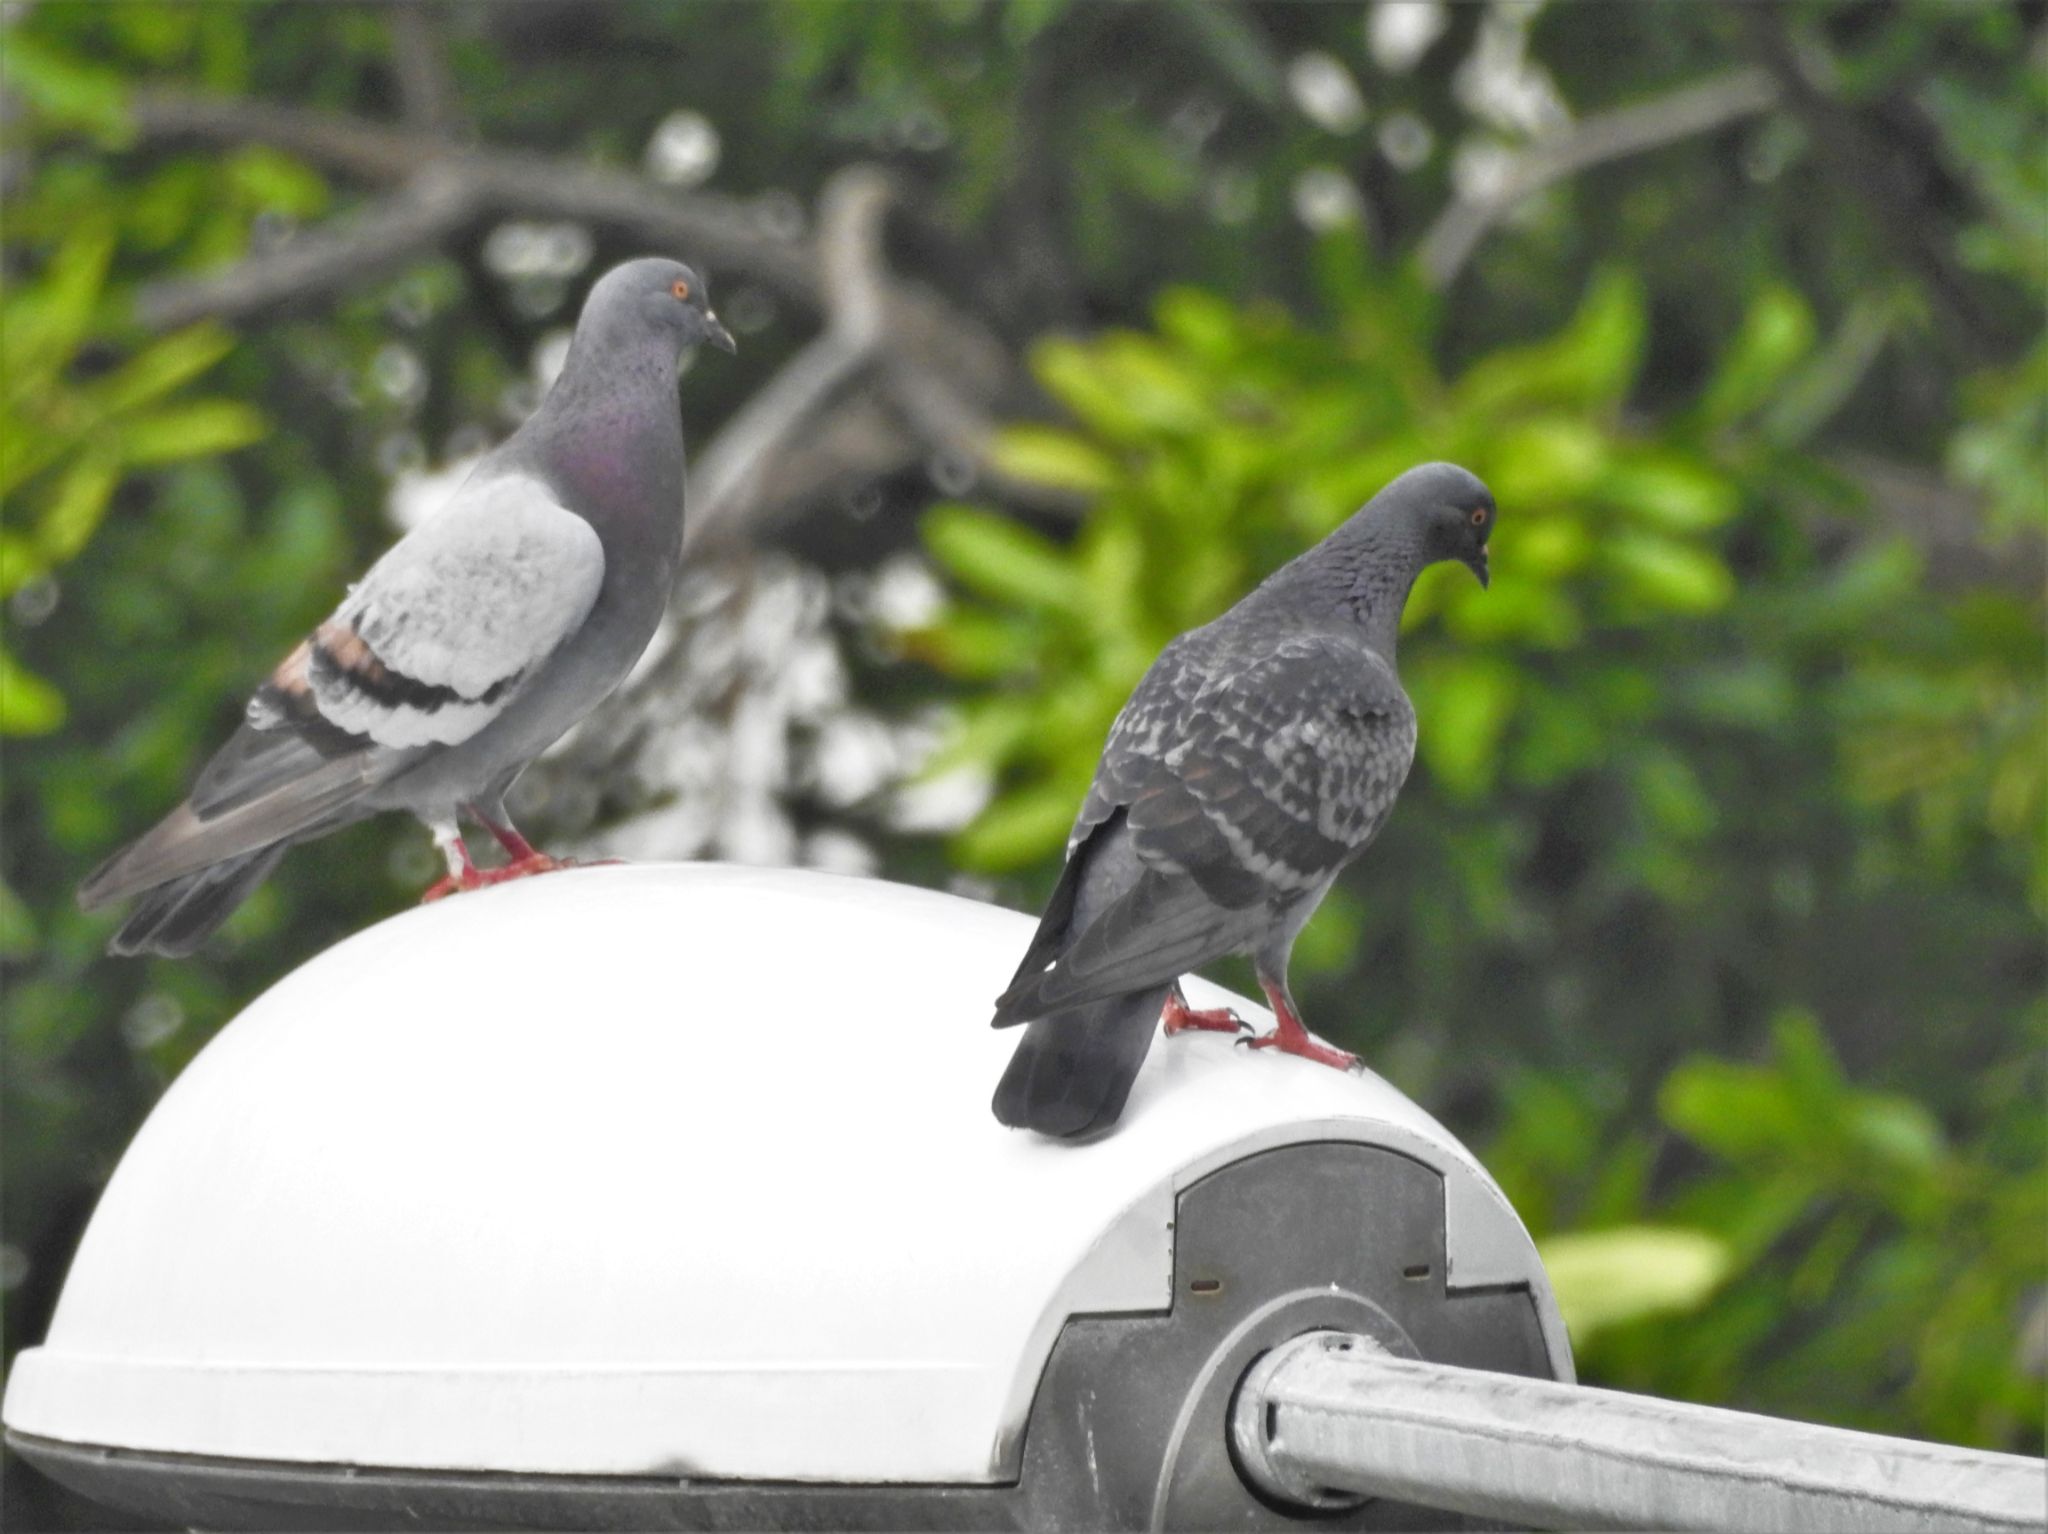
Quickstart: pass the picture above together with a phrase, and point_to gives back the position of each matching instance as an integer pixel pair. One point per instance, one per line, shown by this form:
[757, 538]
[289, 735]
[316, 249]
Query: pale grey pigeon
[482, 636]
[1257, 758]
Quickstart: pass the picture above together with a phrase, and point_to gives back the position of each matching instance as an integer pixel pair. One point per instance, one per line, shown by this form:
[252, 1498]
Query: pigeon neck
[1378, 583]
[605, 374]
[611, 429]
[1360, 574]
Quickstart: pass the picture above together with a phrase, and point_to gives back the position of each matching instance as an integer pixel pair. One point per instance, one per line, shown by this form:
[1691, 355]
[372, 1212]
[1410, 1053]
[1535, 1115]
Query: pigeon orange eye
[1478, 515]
[680, 288]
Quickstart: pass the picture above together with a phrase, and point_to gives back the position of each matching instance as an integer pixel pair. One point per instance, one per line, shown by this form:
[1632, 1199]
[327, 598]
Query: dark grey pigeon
[1260, 755]
[482, 636]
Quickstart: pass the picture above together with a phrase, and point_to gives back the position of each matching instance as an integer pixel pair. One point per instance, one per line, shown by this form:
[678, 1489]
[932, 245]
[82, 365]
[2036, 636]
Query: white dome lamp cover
[669, 1170]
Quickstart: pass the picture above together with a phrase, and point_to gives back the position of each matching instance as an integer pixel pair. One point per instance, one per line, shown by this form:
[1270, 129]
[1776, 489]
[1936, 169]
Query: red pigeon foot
[1178, 1017]
[539, 863]
[441, 889]
[462, 873]
[520, 868]
[523, 852]
[1290, 1038]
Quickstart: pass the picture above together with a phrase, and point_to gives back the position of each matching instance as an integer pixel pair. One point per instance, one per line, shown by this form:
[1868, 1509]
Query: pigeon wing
[431, 646]
[1242, 788]
[445, 629]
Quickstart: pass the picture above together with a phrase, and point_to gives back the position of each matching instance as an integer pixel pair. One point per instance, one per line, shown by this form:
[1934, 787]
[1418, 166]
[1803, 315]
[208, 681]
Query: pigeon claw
[518, 868]
[532, 863]
[1306, 1047]
[1178, 1017]
[1290, 1038]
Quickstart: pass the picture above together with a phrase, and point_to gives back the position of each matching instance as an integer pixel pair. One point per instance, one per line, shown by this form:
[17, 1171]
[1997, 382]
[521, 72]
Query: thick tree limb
[720, 231]
[1943, 521]
[944, 372]
[728, 483]
[802, 436]
[1684, 113]
[358, 247]
[352, 146]
[427, 91]
[500, 183]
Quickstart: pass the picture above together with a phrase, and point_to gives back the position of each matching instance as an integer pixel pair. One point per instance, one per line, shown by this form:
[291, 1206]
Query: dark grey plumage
[483, 635]
[1258, 757]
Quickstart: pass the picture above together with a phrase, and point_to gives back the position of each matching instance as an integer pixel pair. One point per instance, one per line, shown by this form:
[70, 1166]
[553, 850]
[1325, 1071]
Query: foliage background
[1712, 914]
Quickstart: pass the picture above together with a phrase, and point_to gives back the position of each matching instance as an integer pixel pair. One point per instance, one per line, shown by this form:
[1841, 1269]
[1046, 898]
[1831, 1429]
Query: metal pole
[1331, 1418]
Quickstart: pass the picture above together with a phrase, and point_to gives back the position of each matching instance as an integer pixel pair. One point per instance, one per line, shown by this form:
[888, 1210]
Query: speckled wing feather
[1244, 784]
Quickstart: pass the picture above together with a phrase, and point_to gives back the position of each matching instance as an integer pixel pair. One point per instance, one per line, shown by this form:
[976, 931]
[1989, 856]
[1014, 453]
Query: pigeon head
[1366, 568]
[658, 296]
[1450, 509]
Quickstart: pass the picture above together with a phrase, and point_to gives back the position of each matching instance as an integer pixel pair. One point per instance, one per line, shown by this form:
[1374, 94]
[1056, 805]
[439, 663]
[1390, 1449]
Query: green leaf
[1040, 455]
[1898, 1132]
[45, 322]
[973, 645]
[28, 704]
[1672, 794]
[985, 735]
[278, 183]
[1464, 707]
[1019, 828]
[1023, 20]
[159, 368]
[1776, 332]
[1199, 320]
[197, 429]
[1670, 494]
[1807, 1064]
[17, 926]
[1735, 1110]
[994, 556]
[76, 508]
[1821, 386]
[68, 523]
[1153, 383]
[1590, 363]
[20, 563]
[1125, 386]
[1544, 548]
[67, 91]
[1754, 694]
[1666, 576]
[1608, 1278]
[1549, 460]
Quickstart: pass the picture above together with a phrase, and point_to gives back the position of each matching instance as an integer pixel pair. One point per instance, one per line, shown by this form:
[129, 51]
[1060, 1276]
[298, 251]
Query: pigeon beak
[718, 335]
[1476, 562]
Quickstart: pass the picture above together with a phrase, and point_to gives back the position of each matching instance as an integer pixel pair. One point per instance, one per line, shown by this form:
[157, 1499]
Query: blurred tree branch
[1886, 154]
[495, 183]
[1944, 522]
[1703, 107]
[943, 370]
[727, 485]
[357, 247]
[427, 93]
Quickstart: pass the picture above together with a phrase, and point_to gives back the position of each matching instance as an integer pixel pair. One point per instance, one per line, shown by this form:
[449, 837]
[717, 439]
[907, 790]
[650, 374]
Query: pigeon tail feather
[1056, 924]
[1073, 1071]
[185, 843]
[174, 919]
